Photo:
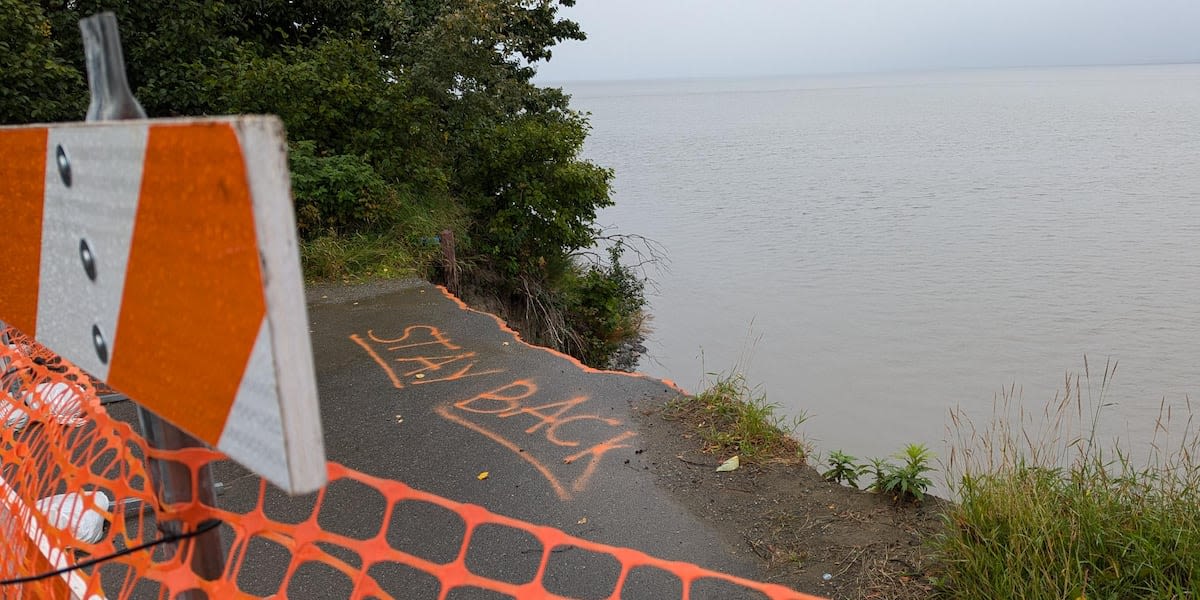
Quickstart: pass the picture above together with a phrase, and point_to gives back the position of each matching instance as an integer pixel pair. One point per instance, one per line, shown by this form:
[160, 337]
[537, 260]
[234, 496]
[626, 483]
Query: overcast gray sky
[636, 39]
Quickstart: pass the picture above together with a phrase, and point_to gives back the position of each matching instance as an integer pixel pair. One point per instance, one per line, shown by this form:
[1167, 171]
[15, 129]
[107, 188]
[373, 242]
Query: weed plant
[844, 468]
[1052, 512]
[735, 418]
[908, 481]
[905, 482]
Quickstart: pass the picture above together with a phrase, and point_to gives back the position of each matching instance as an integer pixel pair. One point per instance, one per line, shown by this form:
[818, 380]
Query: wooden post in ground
[449, 262]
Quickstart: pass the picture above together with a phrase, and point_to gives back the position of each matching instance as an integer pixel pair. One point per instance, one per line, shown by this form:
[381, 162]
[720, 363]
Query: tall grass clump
[733, 417]
[407, 245]
[1046, 509]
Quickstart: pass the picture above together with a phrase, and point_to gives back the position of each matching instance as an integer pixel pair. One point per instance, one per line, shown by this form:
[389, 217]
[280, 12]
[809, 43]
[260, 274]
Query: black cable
[204, 527]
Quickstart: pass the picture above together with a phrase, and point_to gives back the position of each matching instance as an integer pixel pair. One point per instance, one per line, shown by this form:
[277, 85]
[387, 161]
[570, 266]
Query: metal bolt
[101, 346]
[64, 165]
[89, 260]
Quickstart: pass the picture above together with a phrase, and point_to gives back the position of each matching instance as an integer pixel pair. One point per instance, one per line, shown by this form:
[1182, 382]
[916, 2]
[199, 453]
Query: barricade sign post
[112, 100]
[160, 256]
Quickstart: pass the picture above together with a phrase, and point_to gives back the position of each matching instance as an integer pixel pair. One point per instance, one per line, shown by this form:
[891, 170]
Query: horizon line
[780, 75]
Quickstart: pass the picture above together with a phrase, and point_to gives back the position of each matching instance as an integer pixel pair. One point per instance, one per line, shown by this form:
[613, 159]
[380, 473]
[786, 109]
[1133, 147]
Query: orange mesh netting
[74, 487]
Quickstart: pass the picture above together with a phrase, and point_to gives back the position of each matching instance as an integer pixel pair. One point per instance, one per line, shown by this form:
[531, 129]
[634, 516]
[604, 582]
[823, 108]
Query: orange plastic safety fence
[74, 486]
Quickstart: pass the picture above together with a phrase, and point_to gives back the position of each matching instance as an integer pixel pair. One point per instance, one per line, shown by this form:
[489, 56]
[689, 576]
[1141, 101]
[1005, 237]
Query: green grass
[408, 247]
[1052, 512]
[734, 418]
[359, 257]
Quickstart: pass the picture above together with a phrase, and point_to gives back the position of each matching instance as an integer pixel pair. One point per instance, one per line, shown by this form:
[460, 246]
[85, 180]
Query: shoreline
[798, 525]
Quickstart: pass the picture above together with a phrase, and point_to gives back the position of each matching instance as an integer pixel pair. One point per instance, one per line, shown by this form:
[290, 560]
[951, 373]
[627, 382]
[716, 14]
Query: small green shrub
[907, 481]
[878, 468]
[603, 306]
[843, 468]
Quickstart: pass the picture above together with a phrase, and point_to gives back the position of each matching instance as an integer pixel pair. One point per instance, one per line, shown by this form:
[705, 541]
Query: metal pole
[173, 484]
[172, 481]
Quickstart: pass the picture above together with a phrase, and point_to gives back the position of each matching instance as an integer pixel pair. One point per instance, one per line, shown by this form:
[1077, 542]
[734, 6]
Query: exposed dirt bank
[801, 526]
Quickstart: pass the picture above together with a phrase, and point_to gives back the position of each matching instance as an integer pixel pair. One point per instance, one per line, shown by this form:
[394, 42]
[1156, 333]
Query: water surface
[875, 250]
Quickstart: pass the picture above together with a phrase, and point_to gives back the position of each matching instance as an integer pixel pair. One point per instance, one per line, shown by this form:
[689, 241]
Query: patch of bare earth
[801, 526]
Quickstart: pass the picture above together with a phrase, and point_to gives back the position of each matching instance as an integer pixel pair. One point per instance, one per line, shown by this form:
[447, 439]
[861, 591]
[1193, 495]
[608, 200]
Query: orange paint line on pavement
[435, 333]
[378, 360]
[574, 361]
[597, 452]
[445, 412]
[23, 172]
[193, 300]
[507, 402]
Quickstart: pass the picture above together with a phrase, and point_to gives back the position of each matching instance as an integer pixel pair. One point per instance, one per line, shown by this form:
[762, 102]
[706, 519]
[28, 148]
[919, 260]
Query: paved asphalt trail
[417, 388]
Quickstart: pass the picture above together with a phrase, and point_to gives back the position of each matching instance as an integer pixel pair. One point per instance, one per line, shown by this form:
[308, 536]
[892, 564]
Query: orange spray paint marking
[462, 373]
[434, 332]
[596, 453]
[447, 413]
[491, 412]
[387, 369]
[433, 363]
[511, 401]
[552, 431]
[545, 419]
[411, 366]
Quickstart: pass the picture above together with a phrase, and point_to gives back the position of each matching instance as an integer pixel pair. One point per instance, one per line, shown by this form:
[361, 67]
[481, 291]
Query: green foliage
[531, 204]
[733, 418]
[878, 468]
[35, 84]
[604, 305]
[907, 481]
[357, 257]
[337, 194]
[843, 468]
[389, 105]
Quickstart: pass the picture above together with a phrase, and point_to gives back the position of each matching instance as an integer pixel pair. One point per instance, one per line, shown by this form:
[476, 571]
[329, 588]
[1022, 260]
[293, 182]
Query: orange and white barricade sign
[161, 257]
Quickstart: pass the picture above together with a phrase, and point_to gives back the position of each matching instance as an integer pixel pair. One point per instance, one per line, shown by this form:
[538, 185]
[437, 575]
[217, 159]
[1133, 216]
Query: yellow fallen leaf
[581, 521]
[482, 475]
[730, 465]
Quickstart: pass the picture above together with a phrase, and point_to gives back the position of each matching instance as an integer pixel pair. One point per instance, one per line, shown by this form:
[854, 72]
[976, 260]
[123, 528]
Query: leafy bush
[604, 307]
[337, 194]
[532, 203]
[35, 85]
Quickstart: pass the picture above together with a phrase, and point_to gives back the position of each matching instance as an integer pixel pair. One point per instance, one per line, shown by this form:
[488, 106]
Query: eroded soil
[801, 526]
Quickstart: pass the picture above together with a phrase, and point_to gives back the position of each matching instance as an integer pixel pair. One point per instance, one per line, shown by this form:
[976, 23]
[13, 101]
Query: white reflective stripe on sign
[287, 315]
[253, 429]
[98, 208]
